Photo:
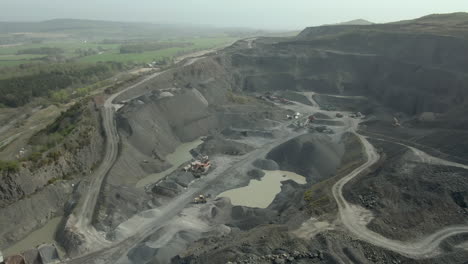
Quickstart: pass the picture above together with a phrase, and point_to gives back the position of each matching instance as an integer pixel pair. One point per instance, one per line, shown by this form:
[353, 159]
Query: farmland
[149, 56]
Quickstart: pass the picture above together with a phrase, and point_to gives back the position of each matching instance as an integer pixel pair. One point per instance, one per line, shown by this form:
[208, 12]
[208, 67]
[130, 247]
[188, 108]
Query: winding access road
[114, 252]
[356, 218]
[351, 216]
[85, 212]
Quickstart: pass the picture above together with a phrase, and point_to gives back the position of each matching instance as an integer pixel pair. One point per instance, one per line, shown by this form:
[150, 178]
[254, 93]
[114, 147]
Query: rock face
[37, 193]
[411, 72]
[413, 69]
[152, 127]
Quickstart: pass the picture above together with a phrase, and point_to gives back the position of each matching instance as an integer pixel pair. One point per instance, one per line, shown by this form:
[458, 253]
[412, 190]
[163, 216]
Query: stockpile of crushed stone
[312, 156]
[266, 164]
[218, 145]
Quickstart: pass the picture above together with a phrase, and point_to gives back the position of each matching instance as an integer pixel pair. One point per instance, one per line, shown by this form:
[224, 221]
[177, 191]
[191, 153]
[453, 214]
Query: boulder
[32, 256]
[48, 254]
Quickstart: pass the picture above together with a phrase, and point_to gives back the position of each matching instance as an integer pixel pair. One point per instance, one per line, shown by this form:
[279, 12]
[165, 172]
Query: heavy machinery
[396, 123]
[199, 166]
[356, 115]
[285, 101]
[201, 199]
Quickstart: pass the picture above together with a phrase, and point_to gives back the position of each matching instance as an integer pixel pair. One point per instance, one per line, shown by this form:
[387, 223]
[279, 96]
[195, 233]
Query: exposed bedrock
[180, 107]
[410, 199]
[40, 189]
[413, 85]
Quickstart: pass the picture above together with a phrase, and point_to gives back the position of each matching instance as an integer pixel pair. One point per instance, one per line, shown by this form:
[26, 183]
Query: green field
[13, 60]
[110, 52]
[149, 56]
[8, 56]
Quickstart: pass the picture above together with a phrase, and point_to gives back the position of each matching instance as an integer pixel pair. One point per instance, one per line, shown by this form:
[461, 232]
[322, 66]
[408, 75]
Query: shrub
[9, 166]
[35, 156]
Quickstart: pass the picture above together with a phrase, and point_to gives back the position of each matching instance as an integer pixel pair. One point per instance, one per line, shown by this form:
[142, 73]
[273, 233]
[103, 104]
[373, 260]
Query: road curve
[355, 218]
[85, 213]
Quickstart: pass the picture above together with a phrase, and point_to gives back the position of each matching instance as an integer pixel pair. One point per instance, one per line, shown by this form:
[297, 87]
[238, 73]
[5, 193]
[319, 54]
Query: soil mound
[255, 174]
[219, 145]
[266, 164]
[313, 156]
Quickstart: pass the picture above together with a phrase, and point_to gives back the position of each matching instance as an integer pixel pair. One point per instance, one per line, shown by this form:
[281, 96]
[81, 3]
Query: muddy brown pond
[261, 193]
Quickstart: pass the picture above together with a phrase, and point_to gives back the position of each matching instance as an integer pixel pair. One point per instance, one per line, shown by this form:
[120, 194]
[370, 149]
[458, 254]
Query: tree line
[142, 47]
[41, 51]
[19, 90]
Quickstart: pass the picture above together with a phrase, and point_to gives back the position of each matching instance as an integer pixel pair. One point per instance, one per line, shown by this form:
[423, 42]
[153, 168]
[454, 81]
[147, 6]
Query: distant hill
[356, 22]
[108, 29]
[452, 19]
[454, 25]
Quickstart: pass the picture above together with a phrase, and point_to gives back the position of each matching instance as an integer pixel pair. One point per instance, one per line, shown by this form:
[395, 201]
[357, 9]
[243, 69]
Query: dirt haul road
[355, 218]
[117, 251]
[85, 212]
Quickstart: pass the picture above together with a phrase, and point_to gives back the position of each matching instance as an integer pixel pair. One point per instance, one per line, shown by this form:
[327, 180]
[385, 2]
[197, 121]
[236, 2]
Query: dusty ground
[365, 200]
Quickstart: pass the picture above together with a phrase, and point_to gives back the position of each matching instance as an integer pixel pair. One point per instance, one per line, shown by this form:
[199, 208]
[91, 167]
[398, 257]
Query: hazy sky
[270, 14]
